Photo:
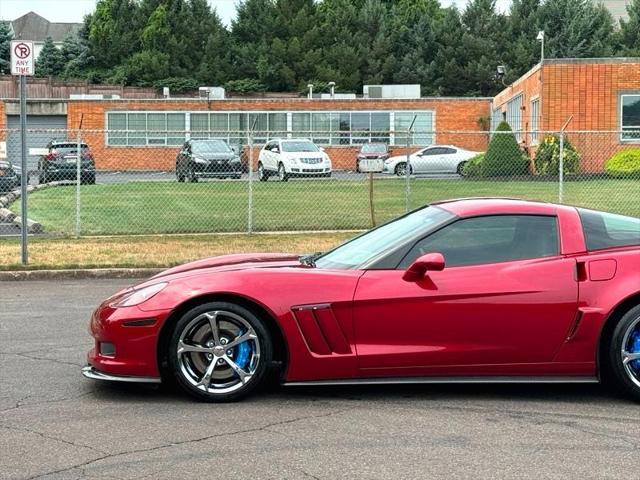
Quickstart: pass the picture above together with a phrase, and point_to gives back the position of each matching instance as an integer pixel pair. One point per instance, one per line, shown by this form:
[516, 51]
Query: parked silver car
[432, 159]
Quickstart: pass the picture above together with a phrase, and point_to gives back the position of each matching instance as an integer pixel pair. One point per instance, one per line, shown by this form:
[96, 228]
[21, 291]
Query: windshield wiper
[310, 260]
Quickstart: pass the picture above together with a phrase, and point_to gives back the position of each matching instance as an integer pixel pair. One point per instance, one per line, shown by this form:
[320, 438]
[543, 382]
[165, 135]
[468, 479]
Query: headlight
[135, 297]
[293, 160]
[200, 160]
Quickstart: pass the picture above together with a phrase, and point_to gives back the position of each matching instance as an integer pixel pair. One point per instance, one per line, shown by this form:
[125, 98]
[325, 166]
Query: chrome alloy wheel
[218, 352]
[631, 351]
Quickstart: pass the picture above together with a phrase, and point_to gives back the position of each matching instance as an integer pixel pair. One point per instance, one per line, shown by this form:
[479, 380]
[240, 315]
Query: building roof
[32, 26]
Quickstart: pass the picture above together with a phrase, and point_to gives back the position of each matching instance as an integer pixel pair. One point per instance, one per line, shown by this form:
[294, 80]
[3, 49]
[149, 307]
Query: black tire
[282, 173]
[87, 179]
[187, 367]
[43, 178]
[400, 169]
[625, 377]
[192, 176]
[263, 175]
[180, 176]
[460, 169]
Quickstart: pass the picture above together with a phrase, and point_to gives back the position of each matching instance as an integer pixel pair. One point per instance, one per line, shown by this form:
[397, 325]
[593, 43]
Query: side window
[449, 151]
[431, 151]
[269, 146]
[491, 239]
[607, 230]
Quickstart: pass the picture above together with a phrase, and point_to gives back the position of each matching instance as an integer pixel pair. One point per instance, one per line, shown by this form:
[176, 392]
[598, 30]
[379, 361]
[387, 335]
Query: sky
[74, 10]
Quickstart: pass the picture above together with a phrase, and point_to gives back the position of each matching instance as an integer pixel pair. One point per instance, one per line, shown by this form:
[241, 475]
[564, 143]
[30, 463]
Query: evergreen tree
[76, 56]
[114, 32]
[5, 47]
[576, 29]
[630, 31]
[50, 62]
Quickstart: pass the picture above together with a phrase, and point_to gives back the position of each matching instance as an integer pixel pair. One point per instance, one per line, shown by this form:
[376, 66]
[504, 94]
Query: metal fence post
[78, 182]
[24, 171]
[561, 169]
[407, 169]
[250, 200]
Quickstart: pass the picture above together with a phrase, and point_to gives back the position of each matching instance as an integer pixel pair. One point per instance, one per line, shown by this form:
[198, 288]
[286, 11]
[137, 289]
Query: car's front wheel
[263, 176]
[624, 353]
[219, 352]
[401, 169]
[282, 173]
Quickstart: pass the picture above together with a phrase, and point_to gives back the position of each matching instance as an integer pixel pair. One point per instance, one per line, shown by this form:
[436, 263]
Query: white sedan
[433, 159]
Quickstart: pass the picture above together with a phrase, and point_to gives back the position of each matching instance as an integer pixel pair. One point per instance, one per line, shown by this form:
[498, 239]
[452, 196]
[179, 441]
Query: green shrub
[245, 85]
[624, 164]
[474, 167]
[177, 84]
[547, 159]
[504, 157]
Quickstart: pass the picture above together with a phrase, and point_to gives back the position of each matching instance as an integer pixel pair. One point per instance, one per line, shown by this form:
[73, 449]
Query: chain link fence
[140, 182]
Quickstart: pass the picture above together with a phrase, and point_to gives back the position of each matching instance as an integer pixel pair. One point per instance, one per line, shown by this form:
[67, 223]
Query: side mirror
[419, 268]
[233, 149]
[321, 149]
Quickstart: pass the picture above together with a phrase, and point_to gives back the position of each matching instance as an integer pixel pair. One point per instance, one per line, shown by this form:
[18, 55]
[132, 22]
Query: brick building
[600, 96]
[146, 134]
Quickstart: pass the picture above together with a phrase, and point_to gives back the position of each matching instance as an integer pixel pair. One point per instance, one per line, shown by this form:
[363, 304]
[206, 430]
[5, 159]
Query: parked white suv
[433, 159]
[292, 157]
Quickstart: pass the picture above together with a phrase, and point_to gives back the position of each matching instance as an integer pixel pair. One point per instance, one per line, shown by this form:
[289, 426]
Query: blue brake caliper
[243, 353]
[635, 348]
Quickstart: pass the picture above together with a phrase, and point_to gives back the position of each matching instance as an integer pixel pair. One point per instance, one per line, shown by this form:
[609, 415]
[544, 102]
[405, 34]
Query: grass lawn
[156, 251]
[211, 207]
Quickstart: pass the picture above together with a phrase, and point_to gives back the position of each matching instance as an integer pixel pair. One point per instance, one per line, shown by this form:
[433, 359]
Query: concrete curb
[95, 273]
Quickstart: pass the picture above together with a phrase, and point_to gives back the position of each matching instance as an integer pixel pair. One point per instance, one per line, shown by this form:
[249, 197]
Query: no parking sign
[22, 62]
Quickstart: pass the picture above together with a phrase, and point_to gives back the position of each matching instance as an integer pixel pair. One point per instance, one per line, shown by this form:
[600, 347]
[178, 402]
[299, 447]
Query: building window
[514, 115]
[496, 118]
[630, 117]
[422, 128]
[535, 120]
[146, 128]
[324, 128]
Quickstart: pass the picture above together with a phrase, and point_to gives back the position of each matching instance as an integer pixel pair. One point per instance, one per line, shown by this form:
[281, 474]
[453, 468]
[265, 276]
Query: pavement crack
[187, 442]
[20, 403]
[49, 437]
[45, 359]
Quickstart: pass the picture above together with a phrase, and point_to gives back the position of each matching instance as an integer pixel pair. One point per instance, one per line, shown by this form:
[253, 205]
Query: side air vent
[321, 330]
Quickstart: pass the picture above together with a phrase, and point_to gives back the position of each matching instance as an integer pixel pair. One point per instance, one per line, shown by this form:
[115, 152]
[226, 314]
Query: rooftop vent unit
[211, 93]
[93, 96]
[338, 96]
[391, 91]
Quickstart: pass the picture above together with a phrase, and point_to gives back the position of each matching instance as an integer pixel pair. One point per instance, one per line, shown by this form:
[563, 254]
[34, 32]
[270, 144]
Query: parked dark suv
[9, 179]
[212, 158]
[60, 163]
[373, 151]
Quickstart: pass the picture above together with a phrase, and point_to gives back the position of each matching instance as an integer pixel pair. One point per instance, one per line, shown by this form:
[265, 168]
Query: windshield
[211, 146]
[301, 146]
[374, 243]
[374, 148]
[65, 148]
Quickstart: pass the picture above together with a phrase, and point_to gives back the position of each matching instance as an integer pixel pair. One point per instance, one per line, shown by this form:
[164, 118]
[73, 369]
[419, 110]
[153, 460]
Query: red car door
[481, 314]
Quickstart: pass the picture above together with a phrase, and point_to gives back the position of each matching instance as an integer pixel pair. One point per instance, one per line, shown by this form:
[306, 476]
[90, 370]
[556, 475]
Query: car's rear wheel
[401, 169]
[282, 173]
[219, 352]
[460, 169]
[180, 176]
[624, 353]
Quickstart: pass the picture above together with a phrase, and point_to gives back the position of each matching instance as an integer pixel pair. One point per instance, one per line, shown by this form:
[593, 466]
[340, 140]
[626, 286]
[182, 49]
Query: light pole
[540, 38]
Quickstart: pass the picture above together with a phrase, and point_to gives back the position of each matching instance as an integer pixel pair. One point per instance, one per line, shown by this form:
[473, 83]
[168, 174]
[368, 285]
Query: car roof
[471, 207]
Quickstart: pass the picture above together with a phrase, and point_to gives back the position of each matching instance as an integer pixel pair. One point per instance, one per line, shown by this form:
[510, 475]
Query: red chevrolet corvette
[472, 290]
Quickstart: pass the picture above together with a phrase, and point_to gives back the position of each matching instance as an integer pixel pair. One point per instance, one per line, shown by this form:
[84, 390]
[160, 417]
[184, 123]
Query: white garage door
[44, 129]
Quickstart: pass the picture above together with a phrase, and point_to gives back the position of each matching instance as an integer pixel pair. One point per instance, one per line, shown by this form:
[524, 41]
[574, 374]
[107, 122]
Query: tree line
[282, 45]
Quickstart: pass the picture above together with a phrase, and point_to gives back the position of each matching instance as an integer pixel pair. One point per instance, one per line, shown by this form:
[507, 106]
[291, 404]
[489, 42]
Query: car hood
[215, 156]
[233, 262]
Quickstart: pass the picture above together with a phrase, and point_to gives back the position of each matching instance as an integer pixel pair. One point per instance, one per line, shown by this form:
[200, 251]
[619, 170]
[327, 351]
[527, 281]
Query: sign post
[371, 166]
[22, 64]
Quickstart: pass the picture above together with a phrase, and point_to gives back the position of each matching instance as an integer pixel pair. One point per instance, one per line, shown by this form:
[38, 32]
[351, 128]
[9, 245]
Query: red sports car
[471, 290]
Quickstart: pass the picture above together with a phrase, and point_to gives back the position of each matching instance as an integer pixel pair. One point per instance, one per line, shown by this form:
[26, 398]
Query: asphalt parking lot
[56, 424]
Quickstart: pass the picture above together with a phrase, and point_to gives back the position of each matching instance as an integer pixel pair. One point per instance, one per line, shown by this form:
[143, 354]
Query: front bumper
[92, 373]
[132, 336]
